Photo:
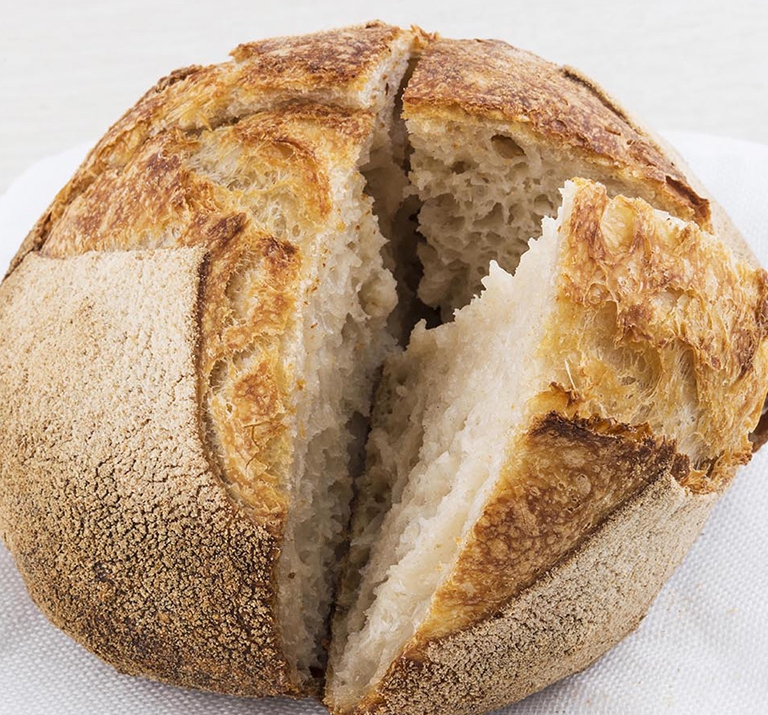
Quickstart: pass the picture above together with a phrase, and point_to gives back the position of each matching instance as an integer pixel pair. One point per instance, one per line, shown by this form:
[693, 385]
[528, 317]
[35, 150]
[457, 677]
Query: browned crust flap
[491, 80]
[560, 624]
[563, 478]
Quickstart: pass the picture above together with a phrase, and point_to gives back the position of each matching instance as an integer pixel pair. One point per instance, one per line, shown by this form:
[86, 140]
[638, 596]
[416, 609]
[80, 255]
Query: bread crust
[109, 502]
[690, 319]
[567, 619]
[336, 58]
[490, 81]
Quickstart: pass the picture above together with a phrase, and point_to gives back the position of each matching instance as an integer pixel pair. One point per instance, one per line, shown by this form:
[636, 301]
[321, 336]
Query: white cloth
[703, 648]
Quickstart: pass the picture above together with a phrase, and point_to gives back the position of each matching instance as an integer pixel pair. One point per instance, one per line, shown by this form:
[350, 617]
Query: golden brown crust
[482, 80]
[207, 189]
[195, 98]
[124, 535]
[671, 318]
[334, 58]
[540, 512]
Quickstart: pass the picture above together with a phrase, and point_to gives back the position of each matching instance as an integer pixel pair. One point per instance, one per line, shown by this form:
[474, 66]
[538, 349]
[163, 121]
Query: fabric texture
[703, 648]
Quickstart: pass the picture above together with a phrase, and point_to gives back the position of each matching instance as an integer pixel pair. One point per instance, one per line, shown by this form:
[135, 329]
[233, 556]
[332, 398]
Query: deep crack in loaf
[193, 331]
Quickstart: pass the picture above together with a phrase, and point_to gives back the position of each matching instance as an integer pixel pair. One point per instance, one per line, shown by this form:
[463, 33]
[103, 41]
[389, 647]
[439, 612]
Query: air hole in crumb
[506, 146]
[447, 202]
[542, 205]
[494, 218]
[459, 167]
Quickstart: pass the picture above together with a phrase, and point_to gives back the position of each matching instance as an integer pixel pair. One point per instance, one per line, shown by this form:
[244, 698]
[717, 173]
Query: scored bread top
[653, 362]
[678, 321]
[312, 68]
[341, 60]
[489, 80]
[231, 157]
[256, 195]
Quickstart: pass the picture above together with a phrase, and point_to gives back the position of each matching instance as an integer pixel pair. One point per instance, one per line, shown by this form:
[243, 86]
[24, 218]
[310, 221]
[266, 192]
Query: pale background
[68, 69]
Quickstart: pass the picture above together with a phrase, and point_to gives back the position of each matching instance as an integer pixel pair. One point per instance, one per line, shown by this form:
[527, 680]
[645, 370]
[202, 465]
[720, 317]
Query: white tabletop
[69, 69]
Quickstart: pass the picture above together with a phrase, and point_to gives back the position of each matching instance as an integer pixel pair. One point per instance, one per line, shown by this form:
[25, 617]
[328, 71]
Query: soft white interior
[485, 189]
[345, 341]
[449, 406]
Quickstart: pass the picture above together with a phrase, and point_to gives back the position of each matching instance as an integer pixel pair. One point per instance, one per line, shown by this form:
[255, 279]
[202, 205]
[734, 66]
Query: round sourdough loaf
[191, 335]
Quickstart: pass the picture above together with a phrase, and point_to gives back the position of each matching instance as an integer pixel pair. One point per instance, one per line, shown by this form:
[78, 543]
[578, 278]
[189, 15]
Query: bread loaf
[192, 334]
